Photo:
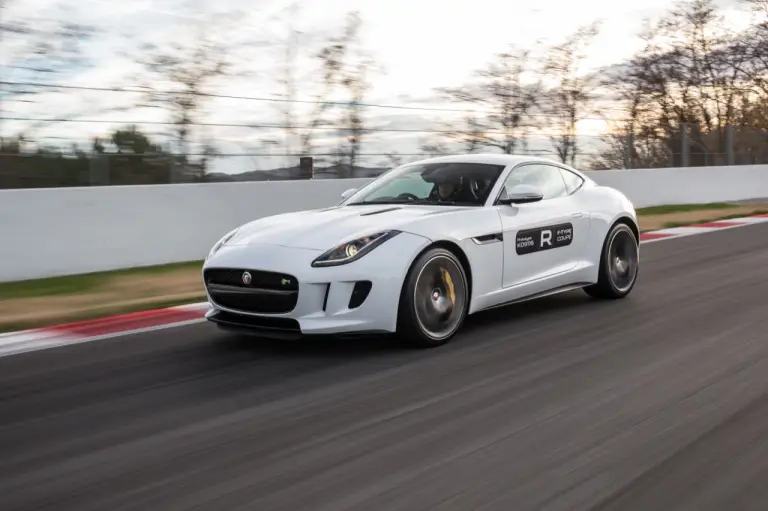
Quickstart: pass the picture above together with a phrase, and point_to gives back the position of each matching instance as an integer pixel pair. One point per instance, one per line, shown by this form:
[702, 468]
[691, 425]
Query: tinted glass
[544, 177]
[572, 181]
[451, 183]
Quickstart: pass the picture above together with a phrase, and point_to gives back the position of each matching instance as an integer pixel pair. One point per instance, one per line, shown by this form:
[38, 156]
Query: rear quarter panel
[606, 206]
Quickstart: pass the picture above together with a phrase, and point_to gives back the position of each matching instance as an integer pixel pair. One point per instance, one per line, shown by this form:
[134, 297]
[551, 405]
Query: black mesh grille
[266, 293]
[260, 279]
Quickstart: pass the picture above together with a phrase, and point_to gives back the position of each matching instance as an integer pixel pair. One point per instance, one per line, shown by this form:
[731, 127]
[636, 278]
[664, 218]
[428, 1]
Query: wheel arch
[630, 222]
[457, 251]
[463, 259]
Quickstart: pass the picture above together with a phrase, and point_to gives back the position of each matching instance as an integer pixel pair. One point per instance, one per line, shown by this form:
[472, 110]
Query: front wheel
[619, 264]
[434, 300]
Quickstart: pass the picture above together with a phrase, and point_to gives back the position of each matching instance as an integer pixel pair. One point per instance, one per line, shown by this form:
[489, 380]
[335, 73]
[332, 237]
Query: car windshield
[444, 183]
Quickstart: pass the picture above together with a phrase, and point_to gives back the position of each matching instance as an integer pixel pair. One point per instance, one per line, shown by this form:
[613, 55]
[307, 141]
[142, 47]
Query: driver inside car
[445, 191]
[449, 191]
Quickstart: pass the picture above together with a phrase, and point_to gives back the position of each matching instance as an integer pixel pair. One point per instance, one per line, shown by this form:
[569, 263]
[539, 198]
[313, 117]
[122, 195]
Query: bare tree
[332, 59]
[572, 93]
[759, 7]
[346, 68]
[393, 159]
[750, 49]
[38, 50]
[191, 69]
[686, 87]
[435, 147]
[355, 81]
[712, 84]
[633, 141]
[287, 75]
[353, 125]
[504, 102]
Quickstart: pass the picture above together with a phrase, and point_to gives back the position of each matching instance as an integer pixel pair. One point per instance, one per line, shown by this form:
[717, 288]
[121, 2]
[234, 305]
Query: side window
[572, 181]
[544, 177]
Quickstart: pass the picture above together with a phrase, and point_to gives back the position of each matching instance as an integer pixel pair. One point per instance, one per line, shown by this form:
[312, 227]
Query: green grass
[683, 208]
[75, 284]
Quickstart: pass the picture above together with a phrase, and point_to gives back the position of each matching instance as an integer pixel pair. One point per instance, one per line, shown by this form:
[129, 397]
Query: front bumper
[324, 304]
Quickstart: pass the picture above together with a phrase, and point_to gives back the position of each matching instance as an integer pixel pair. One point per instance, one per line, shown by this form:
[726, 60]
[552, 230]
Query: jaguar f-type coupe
[422, 246]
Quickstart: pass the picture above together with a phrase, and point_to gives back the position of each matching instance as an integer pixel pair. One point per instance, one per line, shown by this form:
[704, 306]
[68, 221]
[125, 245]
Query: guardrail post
[685, 148]
[629, 146]
[98, 170]
[729, 149]
[2, 126]
[307, 167]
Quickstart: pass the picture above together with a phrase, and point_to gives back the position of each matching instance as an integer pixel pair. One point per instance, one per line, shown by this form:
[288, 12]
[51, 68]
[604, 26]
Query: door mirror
[349, 193]
[521, 194]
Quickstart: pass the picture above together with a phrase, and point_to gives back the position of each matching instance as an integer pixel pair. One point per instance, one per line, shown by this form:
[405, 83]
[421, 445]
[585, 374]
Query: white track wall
[62, 231]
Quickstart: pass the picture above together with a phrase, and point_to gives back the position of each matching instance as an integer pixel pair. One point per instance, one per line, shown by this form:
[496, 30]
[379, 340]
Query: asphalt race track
[655, 403]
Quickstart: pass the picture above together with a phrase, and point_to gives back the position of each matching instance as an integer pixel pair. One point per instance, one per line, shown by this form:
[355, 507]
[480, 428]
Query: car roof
[490, 158]
[499, 159]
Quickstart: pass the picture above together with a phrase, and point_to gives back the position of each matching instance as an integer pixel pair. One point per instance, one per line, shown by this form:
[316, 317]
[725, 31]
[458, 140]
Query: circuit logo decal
[531, 241]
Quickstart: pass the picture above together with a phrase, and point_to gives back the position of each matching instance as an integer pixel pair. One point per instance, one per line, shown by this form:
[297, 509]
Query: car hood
[323, 229]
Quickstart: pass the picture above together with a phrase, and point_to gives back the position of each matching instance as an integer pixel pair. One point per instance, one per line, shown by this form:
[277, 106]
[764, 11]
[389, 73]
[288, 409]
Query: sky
[419, 45]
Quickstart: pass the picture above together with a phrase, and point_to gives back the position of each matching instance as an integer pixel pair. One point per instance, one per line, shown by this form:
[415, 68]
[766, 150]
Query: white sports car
[421, 247]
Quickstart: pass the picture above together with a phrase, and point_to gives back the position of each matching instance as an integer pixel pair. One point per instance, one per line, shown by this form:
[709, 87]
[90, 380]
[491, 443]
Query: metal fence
[21, 168]
[689, 147]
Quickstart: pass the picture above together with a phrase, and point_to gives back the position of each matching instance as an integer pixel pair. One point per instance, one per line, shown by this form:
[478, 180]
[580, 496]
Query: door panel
[541, 239]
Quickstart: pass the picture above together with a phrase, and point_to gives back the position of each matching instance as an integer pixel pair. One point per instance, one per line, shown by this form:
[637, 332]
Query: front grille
[266, 293]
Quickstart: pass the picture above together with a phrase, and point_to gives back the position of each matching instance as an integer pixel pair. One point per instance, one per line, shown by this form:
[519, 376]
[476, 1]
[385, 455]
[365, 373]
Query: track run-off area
[655, 402]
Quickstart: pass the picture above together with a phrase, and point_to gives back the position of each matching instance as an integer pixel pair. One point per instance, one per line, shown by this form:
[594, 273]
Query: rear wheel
[619, 264]
[434, 301]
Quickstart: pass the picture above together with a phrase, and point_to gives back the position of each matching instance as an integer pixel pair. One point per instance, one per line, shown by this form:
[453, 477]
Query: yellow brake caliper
[449, 284]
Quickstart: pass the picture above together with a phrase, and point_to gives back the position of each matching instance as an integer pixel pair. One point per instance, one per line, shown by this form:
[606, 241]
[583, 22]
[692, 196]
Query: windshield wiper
[424, 202]
[437, 202]
[375, 202]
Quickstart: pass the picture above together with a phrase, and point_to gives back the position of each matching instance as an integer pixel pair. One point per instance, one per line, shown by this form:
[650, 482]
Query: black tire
[431, 312]
[612, 282]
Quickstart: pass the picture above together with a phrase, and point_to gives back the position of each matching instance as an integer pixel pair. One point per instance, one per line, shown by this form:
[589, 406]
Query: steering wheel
[476, 188]
[408, 195]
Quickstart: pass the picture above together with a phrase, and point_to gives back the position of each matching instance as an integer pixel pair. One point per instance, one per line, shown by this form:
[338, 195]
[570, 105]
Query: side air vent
[359, 293]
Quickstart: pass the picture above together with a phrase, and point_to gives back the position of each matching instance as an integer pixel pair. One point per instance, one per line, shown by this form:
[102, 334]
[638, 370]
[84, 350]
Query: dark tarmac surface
[656, 403]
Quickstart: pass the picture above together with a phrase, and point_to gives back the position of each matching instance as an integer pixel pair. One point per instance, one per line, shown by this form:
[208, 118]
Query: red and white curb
[125, 324]
[98, 329]
[676, 232]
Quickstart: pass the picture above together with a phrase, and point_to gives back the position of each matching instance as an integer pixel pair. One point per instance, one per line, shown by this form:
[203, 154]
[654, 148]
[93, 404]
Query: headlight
[353, 250]
[221, 243]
